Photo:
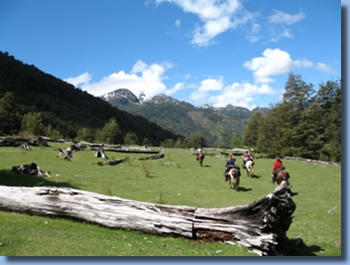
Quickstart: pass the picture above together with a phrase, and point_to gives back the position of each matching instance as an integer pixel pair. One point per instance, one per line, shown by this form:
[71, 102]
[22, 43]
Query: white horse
[249, 168]
[233, 176]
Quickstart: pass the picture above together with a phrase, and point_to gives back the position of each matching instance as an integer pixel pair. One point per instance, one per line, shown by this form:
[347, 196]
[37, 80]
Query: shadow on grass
[243, 189]
[255, 176]
[8, 178]
[296, 247]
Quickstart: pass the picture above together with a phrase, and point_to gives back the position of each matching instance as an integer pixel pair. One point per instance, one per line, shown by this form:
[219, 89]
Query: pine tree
[251, 133]
[297, 96]
[110, 133]
[10, 114]
[33, 123]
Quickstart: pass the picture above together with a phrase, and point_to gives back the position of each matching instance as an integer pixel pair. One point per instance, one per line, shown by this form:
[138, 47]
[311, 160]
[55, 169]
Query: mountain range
[217, 125]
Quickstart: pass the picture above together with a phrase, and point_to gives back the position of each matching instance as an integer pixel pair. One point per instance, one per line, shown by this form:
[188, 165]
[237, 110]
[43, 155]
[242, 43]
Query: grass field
[175, 179]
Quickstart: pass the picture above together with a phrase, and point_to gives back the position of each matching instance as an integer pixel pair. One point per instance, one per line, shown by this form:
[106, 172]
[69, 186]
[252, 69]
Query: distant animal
[249, 168]
[234, 178]
[200, 158]
[281, 175]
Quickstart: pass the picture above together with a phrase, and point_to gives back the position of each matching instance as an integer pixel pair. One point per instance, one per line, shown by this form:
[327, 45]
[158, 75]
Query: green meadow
[176, 179]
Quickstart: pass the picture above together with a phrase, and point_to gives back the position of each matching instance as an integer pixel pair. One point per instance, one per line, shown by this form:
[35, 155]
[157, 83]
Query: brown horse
[200, 158]
[233, 177]
[281, 175]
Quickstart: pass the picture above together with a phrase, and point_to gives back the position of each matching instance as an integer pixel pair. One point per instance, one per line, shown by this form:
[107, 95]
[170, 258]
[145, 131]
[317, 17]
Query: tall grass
[176, 179]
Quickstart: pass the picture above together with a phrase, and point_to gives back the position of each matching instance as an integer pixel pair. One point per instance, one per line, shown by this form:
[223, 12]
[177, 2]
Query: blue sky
[214, 52]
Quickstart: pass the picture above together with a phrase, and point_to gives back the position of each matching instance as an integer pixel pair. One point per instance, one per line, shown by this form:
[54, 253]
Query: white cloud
[211, 84]
[206, 86]
[82, 79]
[219, 16]
[274, 62]
[280, 22]
[216, 17]
[303, 63]
[213, 91]
[178, 23]
[143, 78]
[280, 17]
[240, 94]
[177, 87]
[324, 68]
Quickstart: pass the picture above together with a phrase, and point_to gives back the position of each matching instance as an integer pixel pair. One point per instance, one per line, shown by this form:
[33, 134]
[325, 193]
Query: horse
[200, 158]
[281, 175]
[233, 177]
[249, 167]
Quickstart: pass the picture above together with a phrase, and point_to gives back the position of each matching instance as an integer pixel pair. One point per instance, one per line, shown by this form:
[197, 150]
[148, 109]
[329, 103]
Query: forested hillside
[217, 125]
[28, 96]
[307, 123]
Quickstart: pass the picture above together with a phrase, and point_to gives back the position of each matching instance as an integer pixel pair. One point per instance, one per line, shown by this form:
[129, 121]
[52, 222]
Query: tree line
[306, 123]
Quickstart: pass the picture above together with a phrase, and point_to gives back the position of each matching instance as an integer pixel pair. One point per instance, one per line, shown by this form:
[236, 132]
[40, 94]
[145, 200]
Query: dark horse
[280, 176]
[200, 158]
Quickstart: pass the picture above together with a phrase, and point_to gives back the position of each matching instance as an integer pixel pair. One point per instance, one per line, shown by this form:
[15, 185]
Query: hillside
[66, 108]
[218, 125]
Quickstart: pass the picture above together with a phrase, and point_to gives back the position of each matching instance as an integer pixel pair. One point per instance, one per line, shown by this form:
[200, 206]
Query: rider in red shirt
[277, 164]
[276, 167]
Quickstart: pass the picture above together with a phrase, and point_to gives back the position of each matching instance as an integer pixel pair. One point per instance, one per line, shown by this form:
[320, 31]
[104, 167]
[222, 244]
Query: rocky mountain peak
[121, 96]
[163, 99]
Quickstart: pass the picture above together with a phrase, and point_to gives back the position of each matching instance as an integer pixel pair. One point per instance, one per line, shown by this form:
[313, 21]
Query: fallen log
[30, 169]
[131, 150]
[260, 226]
[22, 142]
[111, 162]
[152, 157]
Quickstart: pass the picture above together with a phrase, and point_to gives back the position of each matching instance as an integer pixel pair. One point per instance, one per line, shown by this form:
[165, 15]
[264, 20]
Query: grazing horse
[233, 177]
[280, 176]
[249, 167]
[200, 158]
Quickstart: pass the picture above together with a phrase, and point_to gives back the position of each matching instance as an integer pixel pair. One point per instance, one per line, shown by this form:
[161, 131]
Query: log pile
[23, 143]
[312, 161]
[260, 226]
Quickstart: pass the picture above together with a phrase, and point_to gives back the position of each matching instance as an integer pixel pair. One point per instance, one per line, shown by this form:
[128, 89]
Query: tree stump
[260, 226]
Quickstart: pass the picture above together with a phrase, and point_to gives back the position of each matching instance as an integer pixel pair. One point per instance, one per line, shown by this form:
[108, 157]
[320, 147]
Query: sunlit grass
[176, 179]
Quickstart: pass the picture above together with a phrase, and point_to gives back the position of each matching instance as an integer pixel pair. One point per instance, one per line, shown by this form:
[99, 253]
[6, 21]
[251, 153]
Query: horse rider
[230, 163]
[199, 151]
[247, 156]
[277, 166]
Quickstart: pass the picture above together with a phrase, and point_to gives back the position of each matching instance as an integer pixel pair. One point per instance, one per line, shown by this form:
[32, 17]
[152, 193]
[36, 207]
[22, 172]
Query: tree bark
[259, 226]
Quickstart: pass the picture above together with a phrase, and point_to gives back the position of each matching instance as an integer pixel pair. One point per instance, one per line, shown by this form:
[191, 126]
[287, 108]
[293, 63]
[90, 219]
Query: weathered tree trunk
[152, 157]
[260, 226]
[131, 150]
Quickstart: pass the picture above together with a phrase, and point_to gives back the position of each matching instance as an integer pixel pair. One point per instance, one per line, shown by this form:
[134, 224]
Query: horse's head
[282, 175]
